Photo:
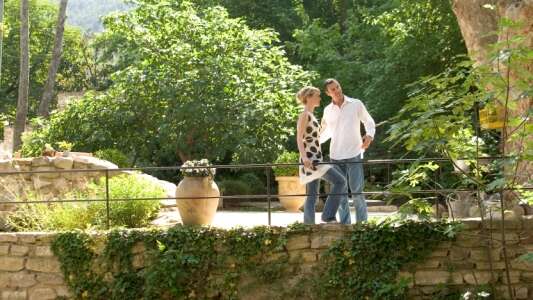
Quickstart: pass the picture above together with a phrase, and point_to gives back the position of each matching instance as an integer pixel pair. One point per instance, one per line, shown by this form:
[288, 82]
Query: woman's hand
[308, 164]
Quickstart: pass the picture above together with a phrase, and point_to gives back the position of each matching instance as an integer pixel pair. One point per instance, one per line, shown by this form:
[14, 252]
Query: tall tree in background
[44, 107]
[1, 36]
[24, 77]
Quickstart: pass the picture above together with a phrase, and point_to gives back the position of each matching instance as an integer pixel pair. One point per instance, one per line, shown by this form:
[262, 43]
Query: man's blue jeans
[353, 171]
[338, 186]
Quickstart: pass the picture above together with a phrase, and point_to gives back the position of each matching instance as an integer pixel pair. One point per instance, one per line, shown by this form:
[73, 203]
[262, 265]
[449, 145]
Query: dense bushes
[83, 215]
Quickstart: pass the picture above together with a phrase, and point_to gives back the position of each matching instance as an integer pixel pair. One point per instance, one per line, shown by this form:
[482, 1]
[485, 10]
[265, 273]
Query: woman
[308, 139]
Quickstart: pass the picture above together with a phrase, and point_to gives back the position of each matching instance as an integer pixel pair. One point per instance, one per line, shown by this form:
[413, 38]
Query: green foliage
[207, 263]
[234, 187]
[376, 48]
[43, 19]
[115, 156]
[287, 158]
[131, 214]
[211, 87]
[184, 262]
[440, 117]
[348, 273]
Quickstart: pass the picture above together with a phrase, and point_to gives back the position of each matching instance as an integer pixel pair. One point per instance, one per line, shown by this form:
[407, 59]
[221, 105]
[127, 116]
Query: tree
[44, 107]
[24, 77]
[198, 84]
[377, 48]
[72, 73]
[1, 37]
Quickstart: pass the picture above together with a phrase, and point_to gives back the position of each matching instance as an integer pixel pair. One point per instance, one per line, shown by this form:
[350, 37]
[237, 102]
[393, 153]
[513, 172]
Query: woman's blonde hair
[306, 92]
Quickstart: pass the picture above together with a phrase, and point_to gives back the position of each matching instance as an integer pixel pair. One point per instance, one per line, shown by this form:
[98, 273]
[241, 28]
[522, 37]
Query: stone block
[497, 224]
[11, 263]
[50, 278]
[51, 174]
[482, 254]
[40, 182]
[62, 291]
[18, 250]
[6, 165]
[440, 253]
[526, 277]
[43, 251]
[458, 254]
[27, 237]
[429, 264]
[22, 279]
[527, 222]
[298, 242]
[471, 223]
[521, 292]
[4, 279]
[4, 249]
[43, 293]
[431, 277]
[485, 265]
[64, 163]
[41, 161]
[13, 295]
[138, 248]
[307, 256]
[479, 277]
[514, 277]
[8, 237]
[321, 241]
[138, 261]
[47, 265]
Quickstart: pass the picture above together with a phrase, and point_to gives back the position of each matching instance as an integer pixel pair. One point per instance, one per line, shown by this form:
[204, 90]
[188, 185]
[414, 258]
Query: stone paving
[230, 219]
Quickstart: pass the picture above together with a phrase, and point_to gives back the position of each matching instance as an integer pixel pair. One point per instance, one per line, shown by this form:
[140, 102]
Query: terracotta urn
[194, 209]
[290, 185]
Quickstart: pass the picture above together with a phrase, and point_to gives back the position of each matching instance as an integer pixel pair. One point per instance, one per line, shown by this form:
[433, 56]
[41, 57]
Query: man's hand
[367, 140]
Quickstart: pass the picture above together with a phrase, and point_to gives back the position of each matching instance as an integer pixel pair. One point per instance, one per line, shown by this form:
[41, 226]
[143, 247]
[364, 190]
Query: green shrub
[115, 156]
[255, 183]
[68, 216]
[234, 187]
[287, 157]
[130, 213]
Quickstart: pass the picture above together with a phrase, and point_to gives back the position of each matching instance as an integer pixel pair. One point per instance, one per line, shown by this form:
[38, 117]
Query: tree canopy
[197, 84]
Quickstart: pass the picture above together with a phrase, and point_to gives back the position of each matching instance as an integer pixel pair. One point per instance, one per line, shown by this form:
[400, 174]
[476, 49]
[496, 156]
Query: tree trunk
[478, 26]
[1, 37]
[24, 77]
[44, 107]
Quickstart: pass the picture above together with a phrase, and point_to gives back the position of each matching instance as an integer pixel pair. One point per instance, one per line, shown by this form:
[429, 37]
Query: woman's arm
[300, 130]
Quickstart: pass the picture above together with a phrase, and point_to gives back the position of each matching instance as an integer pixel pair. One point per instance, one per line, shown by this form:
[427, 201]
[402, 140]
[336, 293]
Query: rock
[40, 161]
[65, 163]
[49, 265]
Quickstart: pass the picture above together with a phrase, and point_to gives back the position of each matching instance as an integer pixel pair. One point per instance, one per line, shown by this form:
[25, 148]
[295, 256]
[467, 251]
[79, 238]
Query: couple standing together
[342, 123]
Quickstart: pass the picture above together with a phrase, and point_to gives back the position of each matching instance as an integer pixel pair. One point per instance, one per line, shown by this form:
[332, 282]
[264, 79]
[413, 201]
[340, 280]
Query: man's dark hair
[328, 82]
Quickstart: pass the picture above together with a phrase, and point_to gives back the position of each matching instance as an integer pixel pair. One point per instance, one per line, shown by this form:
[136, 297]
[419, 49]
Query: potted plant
[289, 182]
[197, 195]
[65, 148]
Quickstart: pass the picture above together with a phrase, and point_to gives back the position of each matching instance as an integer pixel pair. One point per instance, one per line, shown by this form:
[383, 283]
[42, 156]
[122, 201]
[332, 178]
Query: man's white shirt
[343, 126]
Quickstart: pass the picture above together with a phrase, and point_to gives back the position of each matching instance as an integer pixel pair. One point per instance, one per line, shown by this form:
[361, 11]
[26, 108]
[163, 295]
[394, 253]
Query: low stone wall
[28, 269]
[47, 186]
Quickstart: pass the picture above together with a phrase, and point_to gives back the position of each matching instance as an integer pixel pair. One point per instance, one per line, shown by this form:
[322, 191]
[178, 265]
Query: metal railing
[108, 173]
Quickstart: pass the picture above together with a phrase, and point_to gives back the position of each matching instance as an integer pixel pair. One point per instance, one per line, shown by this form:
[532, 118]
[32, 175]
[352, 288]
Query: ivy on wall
[207, 263]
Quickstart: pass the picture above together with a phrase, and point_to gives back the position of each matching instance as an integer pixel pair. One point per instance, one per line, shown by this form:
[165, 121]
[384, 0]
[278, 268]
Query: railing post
[107, 196]
[267, 170]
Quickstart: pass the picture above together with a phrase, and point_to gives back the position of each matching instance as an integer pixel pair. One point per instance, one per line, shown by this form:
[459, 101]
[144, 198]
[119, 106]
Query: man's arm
[370, 126]
[325, 130]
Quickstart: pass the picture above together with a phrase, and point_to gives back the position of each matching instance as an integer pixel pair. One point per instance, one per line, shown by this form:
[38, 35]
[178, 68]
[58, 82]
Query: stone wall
[47, 186]
[28, 269]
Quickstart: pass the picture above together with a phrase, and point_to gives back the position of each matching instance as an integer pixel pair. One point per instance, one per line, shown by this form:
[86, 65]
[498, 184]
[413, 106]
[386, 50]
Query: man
[342, 123]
